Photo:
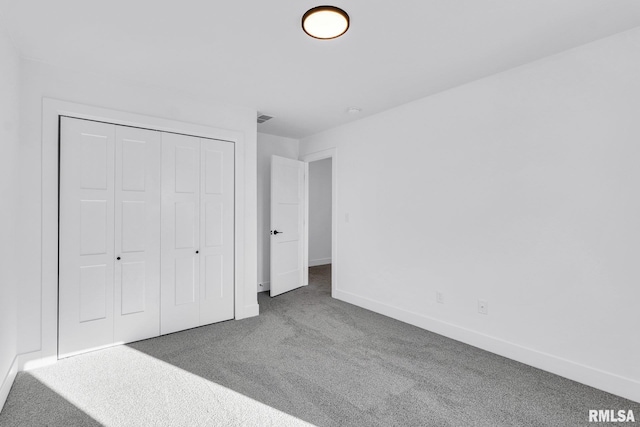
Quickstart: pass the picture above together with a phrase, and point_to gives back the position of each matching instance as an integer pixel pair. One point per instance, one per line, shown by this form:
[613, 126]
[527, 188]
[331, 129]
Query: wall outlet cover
[483, 306]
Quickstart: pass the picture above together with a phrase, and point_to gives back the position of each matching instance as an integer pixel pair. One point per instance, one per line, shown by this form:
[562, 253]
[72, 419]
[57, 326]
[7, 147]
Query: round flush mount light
[325, 22]
[354, 110]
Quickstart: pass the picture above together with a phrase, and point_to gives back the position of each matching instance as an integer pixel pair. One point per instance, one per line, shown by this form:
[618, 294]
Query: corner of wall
[10, 272]
[7, 382]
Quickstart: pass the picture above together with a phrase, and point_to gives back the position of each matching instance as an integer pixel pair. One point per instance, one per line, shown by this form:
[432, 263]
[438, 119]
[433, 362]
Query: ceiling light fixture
[325, 22]
[354, 110]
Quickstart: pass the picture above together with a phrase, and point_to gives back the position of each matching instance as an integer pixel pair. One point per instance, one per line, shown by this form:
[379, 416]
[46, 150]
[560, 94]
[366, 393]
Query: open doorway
[292, 249]
[320, 212]
[319, 223]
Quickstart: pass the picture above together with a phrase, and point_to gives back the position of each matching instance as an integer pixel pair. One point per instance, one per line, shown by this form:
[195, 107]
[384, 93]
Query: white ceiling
[254, 53]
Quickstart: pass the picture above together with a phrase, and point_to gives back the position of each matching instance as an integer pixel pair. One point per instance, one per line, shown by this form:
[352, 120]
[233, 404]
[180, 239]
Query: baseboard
[34, 360]
[7, 382]
[590, 376]
[319, 261]
[264, 286]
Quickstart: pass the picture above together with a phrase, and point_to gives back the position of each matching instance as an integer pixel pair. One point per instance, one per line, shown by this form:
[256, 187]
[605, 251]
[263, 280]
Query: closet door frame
[51, 113]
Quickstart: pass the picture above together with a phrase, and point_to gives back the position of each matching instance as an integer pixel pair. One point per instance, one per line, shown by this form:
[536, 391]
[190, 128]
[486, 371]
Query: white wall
[320, 212]
[268, 145]
[521, 189]
[41, 80]
[9, 196]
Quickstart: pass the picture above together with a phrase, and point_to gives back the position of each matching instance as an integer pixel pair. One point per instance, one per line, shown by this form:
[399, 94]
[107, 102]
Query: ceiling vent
[263, 118]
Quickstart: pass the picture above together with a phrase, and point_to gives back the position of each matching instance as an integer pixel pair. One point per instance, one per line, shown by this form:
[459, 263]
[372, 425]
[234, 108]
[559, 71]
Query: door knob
[118, 258]
[197, 251]
[277, 232]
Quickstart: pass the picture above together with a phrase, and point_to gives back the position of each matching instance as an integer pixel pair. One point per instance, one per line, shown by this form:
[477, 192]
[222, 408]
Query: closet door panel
[185, 226]
[137, 234]
[180, 267]
[214, 223]
[134, 300]
[86, 236]
[93, 292]
[185, 165]
[216, 235]
[94, 221]
[185, 281]
[133, 220]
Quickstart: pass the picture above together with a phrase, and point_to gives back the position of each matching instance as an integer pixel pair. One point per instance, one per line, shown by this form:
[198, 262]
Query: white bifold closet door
[109, 235]
[137, 235]
[197, 232]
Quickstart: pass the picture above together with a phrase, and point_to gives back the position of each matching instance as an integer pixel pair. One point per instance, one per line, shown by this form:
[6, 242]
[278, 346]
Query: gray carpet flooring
[306, 358]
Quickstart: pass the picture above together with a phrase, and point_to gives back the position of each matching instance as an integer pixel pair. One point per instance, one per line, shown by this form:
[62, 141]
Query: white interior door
[137, 234]
[86, 236]
[216, 231]
[288, 269]
[180, 266]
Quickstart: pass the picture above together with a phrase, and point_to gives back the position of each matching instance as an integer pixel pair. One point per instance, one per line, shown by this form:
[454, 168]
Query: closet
[197, 232]
[145, 234]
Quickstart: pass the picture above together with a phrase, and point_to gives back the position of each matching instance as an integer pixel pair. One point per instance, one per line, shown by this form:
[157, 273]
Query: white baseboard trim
[249, 311]
[31, 360]
[35, 360]
[7, 382]
[264, 286]
[590, 376]
[319, 261]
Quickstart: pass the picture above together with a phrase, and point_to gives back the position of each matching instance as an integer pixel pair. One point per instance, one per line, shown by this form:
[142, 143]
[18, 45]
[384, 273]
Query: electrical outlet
[439, 298]
[483, 306]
